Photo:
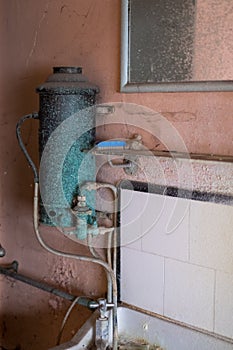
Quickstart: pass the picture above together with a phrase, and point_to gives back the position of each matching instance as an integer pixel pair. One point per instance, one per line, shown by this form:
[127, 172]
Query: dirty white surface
[139, 328]
[177, 260]
[35, 36]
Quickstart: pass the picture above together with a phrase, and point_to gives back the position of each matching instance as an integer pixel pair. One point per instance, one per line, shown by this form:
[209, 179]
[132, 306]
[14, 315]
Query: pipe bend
[22, 145]
[78, 257]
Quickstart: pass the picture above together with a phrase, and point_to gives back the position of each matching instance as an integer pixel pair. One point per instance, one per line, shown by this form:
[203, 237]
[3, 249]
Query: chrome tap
[102, 325]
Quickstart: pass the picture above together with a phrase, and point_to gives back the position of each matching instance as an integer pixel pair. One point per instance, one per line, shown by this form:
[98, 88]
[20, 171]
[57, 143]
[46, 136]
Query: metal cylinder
[64, 94]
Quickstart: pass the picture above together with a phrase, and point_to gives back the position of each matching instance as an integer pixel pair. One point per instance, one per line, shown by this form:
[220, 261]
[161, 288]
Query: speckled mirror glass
[182, 45]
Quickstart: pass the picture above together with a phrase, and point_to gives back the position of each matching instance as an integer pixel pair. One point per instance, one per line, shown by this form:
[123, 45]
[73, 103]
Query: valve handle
[2, 251]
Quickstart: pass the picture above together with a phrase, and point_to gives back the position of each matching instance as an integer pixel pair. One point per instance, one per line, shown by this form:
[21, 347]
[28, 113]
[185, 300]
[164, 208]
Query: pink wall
[35, 36]
[213, 44]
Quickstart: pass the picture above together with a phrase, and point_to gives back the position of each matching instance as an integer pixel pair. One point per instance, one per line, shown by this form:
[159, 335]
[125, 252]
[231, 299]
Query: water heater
[66, 133]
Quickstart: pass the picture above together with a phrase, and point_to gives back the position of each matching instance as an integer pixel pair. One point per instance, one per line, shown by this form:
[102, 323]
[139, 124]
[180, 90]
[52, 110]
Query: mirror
[184, 45]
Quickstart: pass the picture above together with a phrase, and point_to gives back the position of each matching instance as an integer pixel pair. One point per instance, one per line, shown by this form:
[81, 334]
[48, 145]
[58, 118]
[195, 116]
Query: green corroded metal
[85, 221]
[66, 98]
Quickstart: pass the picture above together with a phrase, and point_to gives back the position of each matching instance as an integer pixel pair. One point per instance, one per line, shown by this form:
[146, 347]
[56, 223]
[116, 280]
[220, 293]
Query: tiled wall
[177, 259]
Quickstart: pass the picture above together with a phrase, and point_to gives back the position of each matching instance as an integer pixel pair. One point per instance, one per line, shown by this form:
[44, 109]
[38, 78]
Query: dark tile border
[176, 192]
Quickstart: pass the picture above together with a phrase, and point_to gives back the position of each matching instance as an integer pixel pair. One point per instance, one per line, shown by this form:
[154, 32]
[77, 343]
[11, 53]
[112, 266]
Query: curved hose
[95, 254]
[95, 186]
[57, 252]
[66, 318]
[81, 258]
[22, 146]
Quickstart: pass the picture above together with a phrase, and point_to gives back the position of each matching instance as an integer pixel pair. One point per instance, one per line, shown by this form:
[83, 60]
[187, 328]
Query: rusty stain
[180, 116]
[212, 107]
[85, 15]
[62, 8]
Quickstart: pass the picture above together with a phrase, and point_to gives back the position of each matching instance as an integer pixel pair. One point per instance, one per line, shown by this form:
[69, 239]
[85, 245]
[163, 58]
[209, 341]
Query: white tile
[211, 235]
[224, 304]
[189, 294]
[142, 280]
[131, 218]
[165, 226]
[135, 245]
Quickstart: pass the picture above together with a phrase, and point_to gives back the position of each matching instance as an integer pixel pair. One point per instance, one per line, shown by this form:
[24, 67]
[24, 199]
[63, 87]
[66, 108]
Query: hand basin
[140, 331]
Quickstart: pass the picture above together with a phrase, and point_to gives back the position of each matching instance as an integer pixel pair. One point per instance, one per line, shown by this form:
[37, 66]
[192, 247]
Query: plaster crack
[85, 15]
[33, 48]
[34, 44]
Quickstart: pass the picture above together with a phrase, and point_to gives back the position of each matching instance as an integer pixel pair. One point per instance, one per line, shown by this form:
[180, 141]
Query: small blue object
[112, 144]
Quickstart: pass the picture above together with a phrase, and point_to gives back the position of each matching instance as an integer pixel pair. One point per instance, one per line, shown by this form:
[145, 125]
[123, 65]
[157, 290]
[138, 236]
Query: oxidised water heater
[67, 179]
[65, 109]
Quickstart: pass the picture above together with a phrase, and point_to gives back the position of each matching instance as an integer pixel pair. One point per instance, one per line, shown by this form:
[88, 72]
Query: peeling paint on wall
[84, 33]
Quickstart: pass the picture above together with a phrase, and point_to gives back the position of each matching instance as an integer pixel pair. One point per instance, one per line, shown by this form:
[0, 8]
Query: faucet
[102, 322]
[85, 223]
[102, 325]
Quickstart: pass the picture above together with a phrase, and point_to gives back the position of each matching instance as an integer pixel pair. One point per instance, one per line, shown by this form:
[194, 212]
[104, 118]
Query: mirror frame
[127, 86]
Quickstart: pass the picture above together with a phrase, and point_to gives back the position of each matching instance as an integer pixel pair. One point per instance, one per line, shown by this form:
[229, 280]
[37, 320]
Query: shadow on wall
[15, 327]
[32, 318]
[20, 99]
[16, 178]
[26, 103]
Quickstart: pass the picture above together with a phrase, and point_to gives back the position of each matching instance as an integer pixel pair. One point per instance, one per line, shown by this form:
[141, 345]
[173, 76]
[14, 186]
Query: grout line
[179, 260]
[214, 299]
[141, 227]
[164, 262]
[141, 245]
[189, 232]
[132, 248]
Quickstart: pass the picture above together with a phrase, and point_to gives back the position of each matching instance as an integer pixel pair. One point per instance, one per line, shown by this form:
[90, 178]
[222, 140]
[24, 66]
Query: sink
[140, 331]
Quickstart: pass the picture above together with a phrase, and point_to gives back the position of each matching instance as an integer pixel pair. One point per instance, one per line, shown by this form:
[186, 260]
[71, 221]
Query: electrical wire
[96, 255]
[110, 272]
[68, 312]
[95, 186]
[91, 248]
[112, 238]
[109, 248]
[81, 258]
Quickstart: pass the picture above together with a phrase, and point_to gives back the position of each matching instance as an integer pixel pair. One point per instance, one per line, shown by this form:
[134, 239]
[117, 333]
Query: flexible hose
[91, 248]
[22, 146]
[55, 251]
[66, 318]
[96, 255]
[95, 186]
[109, 249]
[80, 258]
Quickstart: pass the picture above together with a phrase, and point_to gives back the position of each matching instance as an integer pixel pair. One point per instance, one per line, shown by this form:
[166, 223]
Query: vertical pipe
[78, 257]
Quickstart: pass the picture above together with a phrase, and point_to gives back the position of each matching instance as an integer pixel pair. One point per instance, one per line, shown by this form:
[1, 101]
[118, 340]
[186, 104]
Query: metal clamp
[124, 164]
[13, 267]
[129, 165]
[2, 251]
